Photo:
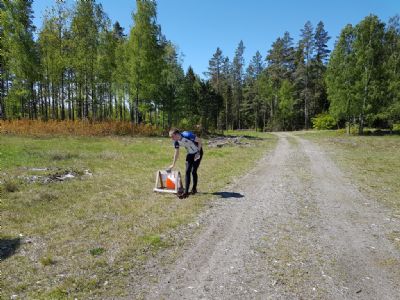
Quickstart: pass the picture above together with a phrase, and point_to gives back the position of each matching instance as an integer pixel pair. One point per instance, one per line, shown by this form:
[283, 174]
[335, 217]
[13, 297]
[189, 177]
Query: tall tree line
[80, 66]
[358, 84]
[363, 76]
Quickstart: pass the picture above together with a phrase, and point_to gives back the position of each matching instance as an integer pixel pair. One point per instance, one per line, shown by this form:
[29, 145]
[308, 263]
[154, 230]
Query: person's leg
[196, 165]
[189, 167]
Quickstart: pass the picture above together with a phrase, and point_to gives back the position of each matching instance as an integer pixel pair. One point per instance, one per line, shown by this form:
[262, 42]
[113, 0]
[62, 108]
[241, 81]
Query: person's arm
[199, 145]
[198, 141]
[176, 155]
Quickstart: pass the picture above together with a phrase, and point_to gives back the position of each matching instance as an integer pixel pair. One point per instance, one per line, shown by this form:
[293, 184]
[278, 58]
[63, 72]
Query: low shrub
[323, 122]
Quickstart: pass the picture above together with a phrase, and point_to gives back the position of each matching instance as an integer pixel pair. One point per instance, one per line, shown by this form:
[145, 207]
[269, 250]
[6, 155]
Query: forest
[80, 66]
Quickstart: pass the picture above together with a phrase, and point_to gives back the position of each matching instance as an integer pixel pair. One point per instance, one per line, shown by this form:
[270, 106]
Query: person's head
[175, 134]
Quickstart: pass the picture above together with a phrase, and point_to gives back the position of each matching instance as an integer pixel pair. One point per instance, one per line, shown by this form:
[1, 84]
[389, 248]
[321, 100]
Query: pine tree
[280, 61]
[210, 103]
[190, 98]
[215, 75]
[215, 70]
[321, 39]
[307, 45]
[238, 77]
[252, 100]
[227, 93]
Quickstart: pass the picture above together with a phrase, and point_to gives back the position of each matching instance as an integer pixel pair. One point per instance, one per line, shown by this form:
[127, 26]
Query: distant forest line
[82, 67]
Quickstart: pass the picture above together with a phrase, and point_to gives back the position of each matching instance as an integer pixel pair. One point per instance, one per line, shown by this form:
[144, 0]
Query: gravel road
[295, 227]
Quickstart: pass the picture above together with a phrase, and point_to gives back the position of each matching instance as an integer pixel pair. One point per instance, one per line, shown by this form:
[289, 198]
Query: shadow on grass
[8, 247]
[380, 132]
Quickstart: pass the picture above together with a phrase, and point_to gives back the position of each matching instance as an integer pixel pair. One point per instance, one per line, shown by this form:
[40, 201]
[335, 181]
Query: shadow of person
[8, 247]
[228, 195]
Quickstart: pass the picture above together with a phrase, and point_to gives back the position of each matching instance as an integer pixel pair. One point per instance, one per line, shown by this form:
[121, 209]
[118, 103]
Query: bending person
[193, 158]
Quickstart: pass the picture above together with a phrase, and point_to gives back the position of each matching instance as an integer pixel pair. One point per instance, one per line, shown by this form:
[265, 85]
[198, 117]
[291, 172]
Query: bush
[396, 127]
[323, 122]
[184, 123]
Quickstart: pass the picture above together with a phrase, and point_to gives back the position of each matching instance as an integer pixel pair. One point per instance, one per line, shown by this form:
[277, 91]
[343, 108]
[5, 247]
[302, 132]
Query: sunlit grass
[371, 161]
[78, 234]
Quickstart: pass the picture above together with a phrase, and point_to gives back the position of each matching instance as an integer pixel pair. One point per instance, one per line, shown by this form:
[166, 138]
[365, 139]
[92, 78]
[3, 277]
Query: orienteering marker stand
[168, 182]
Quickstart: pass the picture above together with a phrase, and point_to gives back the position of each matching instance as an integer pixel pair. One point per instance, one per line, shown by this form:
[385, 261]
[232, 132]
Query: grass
[79, 234]
[373, 162]
[97, 251]
[47, 261]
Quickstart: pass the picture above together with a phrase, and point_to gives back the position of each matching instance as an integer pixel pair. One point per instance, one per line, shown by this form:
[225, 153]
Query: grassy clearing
[372, 161]
[83, 237]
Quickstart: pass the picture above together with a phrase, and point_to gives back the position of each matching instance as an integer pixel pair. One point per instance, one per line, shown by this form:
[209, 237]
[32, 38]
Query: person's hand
[197, 156]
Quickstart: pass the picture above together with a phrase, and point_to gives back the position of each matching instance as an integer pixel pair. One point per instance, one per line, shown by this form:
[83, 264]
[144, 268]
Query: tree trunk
[53, 99]
[255, 118]
[361, 127]
[2, 101]
[137, 106]
[265, 119]
[46, 101]
[226, 112]
[34, 98]
[62, 98]
[110, 99]
[41, 101]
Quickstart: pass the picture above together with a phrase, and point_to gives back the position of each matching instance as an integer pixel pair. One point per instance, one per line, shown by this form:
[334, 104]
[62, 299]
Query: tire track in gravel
[300, 231]
[363, 263]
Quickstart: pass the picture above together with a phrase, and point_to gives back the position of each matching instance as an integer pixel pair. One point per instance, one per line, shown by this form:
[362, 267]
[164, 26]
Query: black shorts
[190, 157]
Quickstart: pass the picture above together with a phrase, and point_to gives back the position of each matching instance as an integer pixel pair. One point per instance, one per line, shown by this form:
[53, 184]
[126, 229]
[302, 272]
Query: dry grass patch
[83, 236]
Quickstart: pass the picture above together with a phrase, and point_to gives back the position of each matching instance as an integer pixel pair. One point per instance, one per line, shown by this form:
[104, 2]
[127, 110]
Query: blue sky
[198, 27]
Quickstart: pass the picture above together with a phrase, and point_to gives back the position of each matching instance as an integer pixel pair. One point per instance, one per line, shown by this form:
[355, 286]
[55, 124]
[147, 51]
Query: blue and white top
[188, 141]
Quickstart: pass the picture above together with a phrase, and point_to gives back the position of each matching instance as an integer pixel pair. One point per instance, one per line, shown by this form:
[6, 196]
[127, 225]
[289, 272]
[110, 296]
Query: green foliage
[145, 55]
[360, 79]
[19, 55]
[286, 104]
[323, 122]
[57, 294]
[83, 67]
[340, 77]
[154, 241]
[97, 251]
